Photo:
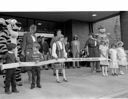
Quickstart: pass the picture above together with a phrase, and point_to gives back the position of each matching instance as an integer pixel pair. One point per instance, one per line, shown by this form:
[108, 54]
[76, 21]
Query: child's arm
[41, 57]
[17, 59]
[54, 51]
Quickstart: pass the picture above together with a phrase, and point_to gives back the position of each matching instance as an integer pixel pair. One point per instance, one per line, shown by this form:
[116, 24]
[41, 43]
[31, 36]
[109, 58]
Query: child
[113, 57]
[10, 79]
[58, 51]
[36, 57]
[104, 54]
[122, 57]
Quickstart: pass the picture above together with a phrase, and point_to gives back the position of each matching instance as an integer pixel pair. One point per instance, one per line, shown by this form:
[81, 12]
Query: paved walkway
[82, 84]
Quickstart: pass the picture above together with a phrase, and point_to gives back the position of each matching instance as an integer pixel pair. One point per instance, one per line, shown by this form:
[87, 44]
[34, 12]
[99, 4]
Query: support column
[124, 28]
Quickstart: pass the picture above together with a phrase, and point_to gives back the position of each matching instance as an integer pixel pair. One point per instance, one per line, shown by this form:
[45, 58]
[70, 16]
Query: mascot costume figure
[9, 33]
[102, 35]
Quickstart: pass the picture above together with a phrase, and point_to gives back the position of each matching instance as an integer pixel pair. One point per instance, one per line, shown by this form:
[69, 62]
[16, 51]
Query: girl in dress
[104, 54]
[58, 51]
[113, 57]
[122, 57]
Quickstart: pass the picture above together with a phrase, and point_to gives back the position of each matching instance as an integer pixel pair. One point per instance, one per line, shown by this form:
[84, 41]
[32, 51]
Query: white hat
[120, 42]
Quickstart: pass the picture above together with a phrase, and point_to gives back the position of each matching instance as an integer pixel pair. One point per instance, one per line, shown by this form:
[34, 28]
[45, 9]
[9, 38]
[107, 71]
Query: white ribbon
[30, 64]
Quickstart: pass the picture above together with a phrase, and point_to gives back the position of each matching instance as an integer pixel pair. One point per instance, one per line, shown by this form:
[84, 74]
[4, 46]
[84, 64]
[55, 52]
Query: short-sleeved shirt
[36, 56]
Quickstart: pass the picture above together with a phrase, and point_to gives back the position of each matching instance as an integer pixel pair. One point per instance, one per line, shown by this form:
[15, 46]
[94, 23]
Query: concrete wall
[82, 30]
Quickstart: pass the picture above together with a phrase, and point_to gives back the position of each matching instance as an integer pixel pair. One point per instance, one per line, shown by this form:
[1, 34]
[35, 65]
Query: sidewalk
[82, 84]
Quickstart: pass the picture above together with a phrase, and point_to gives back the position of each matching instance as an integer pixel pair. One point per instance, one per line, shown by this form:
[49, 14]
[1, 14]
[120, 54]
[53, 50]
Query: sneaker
[103, 74]
[115, 74]
[15, 91]
[8, 92]
[39, 86]
[32, 86]
[106, 74]
[58, 81]
[65, 80]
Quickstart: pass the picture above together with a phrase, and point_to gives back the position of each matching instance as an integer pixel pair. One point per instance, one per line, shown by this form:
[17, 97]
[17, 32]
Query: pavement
[82, 84]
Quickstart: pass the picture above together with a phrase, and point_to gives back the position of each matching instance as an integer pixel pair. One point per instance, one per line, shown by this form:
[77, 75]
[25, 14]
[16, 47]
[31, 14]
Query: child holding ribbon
[122, 57]
[36, 57]
[113, 62]
[58, 51]
[10, 79]
[104, 54]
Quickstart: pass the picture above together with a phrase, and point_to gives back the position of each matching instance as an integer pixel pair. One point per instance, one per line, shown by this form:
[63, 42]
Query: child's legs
[112, 69]
[33, 75]
[8, 80]
[120, 68]
[29, 75]
[57, 74]
[106, 70]
[115, 70]
[103, 69]
[13, 81]
[38, 76]
[64, 75]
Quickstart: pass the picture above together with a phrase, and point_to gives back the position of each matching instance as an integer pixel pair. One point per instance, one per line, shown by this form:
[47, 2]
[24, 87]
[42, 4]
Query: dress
[113, 57]
[104, 54]
[122, 57]
[58, 51]
[76, 48]
[75, 51]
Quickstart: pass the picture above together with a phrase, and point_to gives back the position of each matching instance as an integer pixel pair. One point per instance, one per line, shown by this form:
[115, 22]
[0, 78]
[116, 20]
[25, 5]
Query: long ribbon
[30, 64]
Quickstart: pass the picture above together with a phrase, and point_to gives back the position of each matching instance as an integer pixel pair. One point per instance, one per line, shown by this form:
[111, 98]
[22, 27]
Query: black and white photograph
[55, 53]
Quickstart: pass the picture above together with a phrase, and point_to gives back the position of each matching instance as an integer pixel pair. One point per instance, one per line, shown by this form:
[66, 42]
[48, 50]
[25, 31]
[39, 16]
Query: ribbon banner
[30, 64]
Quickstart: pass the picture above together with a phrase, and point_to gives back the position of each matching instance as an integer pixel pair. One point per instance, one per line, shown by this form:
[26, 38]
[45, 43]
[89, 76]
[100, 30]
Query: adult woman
[75, 44]
[28, 40]
[92, 47]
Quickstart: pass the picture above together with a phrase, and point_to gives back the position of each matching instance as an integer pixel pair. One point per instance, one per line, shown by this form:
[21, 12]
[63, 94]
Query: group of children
[9, 57]
[116, 61]
[58, 51]
[117, 58]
